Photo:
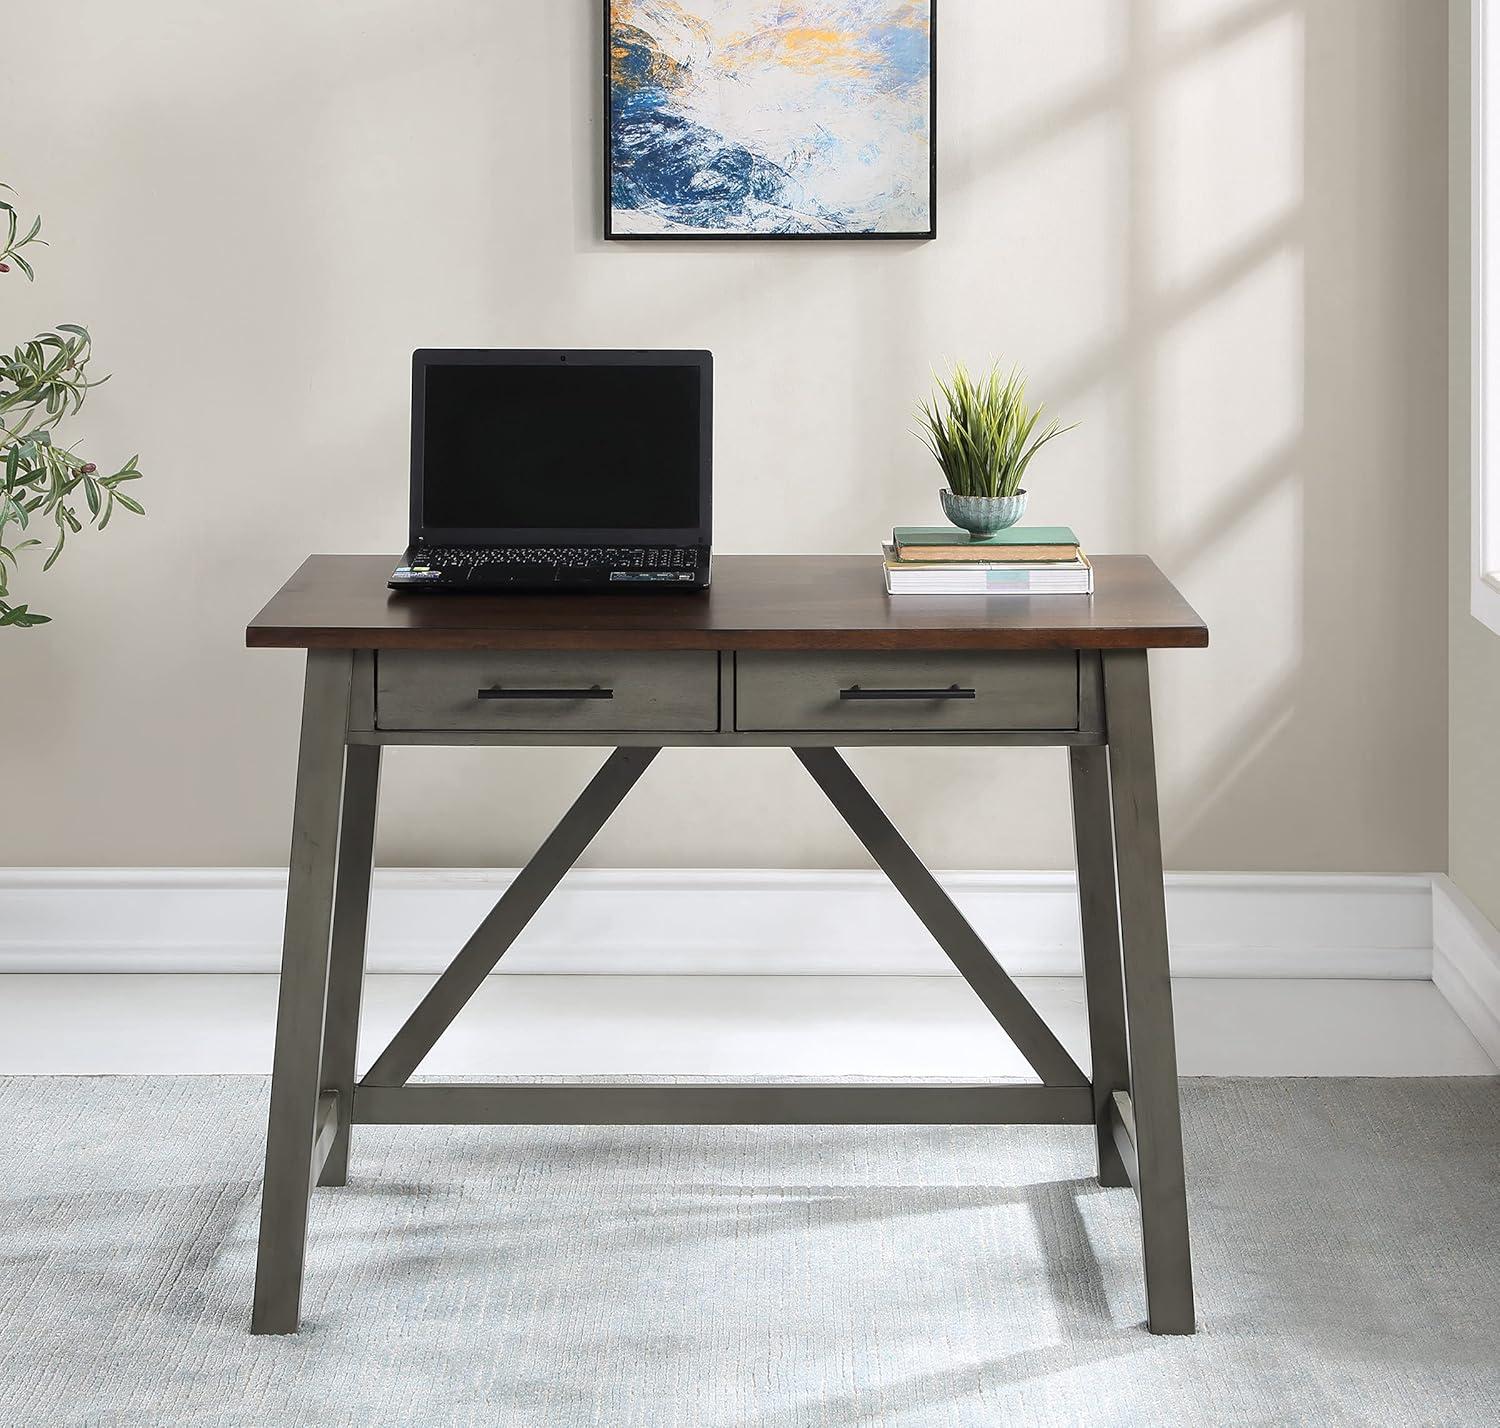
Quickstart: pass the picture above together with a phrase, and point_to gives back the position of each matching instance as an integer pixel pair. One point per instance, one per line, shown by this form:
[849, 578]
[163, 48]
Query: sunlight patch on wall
[1179, 20]
[1228, 141]
[1248, 683]
[1229, 396]
[1084, 47]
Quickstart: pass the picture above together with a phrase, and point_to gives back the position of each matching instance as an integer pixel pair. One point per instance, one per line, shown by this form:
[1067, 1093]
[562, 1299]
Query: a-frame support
[495, 935]
[490, 941]
[923, 894]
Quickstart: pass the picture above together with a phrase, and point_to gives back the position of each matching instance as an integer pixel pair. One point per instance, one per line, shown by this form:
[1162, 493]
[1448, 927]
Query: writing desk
[803, 653]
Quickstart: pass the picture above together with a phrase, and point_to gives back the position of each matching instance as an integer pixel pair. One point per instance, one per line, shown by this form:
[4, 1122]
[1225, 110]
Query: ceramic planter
[983, 515]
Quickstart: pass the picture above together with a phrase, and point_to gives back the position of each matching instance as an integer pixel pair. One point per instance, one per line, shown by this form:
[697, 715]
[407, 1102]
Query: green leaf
[129, 503]
[22, 618]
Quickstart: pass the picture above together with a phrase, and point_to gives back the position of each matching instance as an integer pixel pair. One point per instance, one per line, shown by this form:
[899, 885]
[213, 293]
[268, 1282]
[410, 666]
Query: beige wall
[1213, 229]
[1473, 649]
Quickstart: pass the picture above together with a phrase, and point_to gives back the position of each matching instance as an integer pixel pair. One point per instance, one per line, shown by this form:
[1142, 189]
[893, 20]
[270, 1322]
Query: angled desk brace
[381, 1095]
[800, 654]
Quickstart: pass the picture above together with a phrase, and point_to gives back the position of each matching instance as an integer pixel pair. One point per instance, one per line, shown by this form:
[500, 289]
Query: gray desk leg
[351, 918]
[1104, 992]
[1148, 995]
[304, 994]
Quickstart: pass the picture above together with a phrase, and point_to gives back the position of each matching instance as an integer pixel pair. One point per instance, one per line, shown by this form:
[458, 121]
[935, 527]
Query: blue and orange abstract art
[770, 118]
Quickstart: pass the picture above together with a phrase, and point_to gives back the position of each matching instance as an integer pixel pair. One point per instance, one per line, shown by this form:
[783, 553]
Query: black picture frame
[930, 232]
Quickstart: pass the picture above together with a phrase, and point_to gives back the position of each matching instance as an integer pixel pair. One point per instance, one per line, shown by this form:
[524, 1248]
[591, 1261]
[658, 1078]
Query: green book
[1011, 535]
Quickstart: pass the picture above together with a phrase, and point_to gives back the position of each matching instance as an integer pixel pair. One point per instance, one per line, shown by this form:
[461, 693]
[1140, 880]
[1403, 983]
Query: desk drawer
[547, 691]
[865, 692]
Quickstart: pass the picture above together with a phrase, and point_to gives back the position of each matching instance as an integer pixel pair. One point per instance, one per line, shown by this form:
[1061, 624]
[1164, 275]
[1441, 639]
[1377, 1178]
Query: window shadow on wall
[1277, 369]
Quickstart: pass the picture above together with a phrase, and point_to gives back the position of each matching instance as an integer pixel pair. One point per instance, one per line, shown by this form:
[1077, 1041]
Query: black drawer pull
[592, 692]
[951, 692]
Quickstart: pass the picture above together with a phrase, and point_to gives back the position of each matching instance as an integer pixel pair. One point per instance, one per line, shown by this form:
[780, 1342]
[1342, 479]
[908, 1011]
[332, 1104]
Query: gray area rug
[1347, 1240]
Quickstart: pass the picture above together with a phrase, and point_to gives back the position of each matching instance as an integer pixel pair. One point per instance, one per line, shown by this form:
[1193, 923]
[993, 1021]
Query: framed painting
[770, 119]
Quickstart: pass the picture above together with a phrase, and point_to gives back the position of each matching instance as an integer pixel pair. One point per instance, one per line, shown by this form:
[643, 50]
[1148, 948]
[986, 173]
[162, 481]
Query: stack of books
[1023, 560]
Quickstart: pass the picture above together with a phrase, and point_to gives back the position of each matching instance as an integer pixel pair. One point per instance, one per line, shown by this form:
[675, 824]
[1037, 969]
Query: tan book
[987, 555]
[1018, 544]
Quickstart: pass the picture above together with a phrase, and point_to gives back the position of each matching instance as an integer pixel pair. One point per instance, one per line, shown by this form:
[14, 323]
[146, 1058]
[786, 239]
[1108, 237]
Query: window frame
[1484, 403]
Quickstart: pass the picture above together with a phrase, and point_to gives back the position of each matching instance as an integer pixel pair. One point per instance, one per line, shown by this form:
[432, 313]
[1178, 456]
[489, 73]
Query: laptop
[559, 470]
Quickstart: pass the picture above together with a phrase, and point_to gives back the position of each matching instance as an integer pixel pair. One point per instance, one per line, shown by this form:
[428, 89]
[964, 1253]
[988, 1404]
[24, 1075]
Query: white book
[1048, 578]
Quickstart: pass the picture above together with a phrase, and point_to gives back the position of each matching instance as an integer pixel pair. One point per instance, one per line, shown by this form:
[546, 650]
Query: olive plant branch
[43, 382]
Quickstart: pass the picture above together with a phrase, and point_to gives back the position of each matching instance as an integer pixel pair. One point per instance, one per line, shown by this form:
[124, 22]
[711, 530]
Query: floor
[731, 1026]
[782, 1276]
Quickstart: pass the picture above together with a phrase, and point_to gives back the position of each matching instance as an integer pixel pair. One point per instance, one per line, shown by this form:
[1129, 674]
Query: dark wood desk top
[756, 602]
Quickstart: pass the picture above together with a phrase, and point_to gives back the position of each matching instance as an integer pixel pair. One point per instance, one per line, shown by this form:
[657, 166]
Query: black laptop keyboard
[560, 557]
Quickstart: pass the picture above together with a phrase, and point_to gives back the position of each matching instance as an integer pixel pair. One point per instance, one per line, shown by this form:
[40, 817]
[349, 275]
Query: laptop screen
[558, 445]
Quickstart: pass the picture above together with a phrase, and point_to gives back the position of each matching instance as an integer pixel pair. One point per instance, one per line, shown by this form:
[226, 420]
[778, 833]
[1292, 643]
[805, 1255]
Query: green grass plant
[983, 432]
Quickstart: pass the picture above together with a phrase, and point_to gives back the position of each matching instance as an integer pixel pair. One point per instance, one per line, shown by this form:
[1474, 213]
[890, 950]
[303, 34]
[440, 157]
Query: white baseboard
[1466, 963]
[707, 921]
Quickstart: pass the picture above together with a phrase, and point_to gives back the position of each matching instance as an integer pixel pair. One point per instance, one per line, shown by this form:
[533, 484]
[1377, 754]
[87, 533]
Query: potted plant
[983, 434]
[42, 480]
